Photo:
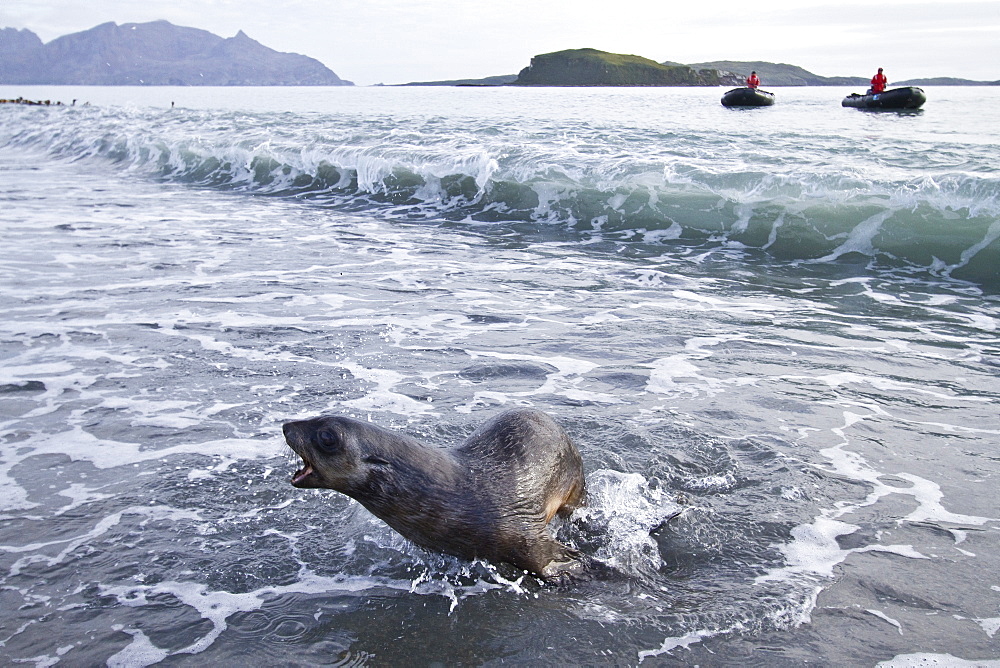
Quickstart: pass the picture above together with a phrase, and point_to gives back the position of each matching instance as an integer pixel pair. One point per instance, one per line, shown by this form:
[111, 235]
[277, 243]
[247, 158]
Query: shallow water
[779, 323]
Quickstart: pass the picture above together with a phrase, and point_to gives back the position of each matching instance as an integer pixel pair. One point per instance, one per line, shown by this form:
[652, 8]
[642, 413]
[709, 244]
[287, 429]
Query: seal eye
[327, 440]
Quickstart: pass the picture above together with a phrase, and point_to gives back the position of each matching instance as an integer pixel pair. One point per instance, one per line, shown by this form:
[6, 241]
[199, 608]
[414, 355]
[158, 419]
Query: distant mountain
[590, 67]
[945, 81]
[780, 74]
[157, 53]
[17, 50]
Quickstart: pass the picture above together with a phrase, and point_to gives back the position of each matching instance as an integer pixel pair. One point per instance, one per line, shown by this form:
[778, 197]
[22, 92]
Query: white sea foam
[860, 238]
[80, 445]
[881, 615]
[665, 374]
[990, 625]
[564, 381]
[626, 510]
[814, 551]
[383, 398]
[100, 528]
[836, 380]
[928, 495]
[922, 660]
[677, 374]
[80, 496]
[728, 304]
[140, 652]
[670, 644]
[218, 606]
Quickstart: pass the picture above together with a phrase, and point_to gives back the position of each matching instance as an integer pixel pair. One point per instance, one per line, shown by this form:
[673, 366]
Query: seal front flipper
[569, 568]
[552, 561]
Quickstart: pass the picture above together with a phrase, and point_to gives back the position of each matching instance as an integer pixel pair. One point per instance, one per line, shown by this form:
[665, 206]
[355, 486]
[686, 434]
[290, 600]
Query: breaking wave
[687, 191]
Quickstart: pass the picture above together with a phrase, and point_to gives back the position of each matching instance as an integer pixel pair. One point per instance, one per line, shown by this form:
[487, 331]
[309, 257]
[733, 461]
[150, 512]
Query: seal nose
[286, 429]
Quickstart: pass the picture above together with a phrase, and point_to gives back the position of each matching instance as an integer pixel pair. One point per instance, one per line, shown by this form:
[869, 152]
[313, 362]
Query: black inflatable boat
[909, 97]
[747, 97]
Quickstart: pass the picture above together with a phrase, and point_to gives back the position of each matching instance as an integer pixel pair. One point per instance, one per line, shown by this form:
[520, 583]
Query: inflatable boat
[909, 97]
[747, 97]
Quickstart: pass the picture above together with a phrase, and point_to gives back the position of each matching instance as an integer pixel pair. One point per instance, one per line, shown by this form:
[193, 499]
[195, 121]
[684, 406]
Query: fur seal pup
[491, 497]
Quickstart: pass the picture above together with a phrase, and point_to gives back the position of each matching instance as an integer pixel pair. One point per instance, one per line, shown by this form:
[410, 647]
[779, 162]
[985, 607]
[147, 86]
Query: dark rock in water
[155, 54]
[590, 67]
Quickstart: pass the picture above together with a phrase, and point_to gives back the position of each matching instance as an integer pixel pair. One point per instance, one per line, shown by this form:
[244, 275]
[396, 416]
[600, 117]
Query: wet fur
[490, 498]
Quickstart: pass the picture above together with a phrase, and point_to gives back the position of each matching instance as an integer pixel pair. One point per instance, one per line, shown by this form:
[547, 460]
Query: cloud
[406, 40]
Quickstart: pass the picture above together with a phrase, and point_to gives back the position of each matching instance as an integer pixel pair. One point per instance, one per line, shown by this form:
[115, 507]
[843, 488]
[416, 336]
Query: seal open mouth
[303, 474]
[306, 476]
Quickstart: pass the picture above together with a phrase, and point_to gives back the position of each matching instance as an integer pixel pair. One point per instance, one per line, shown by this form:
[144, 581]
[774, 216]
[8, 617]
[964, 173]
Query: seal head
[337, 453]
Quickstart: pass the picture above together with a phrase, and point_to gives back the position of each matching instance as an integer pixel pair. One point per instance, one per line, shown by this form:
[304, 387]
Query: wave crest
[948, 224]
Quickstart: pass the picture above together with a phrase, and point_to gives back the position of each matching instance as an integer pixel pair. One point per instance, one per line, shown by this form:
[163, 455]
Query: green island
[590, 67]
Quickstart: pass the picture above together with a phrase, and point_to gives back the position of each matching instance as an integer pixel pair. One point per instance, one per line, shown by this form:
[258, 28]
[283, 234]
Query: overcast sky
[383, 41]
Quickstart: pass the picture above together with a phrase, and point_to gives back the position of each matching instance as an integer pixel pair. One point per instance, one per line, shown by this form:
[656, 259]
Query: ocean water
[772, 333]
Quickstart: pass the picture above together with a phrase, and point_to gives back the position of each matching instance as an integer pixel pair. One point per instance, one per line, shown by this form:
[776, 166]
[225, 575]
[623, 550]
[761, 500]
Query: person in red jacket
[752, 80]
[878, 82]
